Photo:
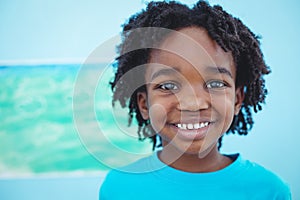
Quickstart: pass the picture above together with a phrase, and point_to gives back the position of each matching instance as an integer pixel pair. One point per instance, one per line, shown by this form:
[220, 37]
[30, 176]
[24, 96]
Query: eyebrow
[219, 70]
[210, 69]
[164, 72]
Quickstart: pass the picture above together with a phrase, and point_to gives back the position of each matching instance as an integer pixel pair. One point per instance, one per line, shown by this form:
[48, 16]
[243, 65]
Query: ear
[239, 98]
[143, 105]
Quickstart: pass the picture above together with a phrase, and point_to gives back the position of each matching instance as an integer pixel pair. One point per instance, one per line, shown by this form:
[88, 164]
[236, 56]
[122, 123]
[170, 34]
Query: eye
[215, 84]
[169, 86]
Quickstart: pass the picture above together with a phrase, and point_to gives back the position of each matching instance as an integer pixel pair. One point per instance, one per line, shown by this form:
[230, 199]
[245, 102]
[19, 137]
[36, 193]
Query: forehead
[191, 46]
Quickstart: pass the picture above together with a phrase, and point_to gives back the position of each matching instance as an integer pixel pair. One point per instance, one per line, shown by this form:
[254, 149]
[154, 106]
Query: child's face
[191, 95]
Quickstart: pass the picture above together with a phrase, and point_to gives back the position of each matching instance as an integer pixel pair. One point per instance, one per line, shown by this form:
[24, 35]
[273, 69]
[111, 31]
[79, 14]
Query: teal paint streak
[37, 133]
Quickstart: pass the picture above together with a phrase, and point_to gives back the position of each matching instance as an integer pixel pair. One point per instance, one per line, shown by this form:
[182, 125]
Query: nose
[193, 99]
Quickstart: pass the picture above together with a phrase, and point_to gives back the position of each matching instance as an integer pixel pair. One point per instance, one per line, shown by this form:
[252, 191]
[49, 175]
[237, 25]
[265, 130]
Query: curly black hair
[230, 34]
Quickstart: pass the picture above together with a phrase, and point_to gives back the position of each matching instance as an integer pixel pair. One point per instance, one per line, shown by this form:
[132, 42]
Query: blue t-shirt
[154, 180]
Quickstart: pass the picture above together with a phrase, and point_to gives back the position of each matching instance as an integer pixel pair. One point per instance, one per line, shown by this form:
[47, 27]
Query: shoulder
[257, 171]
[258, 177]
[128, 178]
[116, 183]
[137, 169]
[130, 171]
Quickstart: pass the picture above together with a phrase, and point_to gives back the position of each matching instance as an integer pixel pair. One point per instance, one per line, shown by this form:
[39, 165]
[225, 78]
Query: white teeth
[202, 125]
[192, 126]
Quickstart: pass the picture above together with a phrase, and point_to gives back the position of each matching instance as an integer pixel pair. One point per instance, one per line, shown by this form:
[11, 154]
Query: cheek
[158, 116]
[225, 109]
[223, 103]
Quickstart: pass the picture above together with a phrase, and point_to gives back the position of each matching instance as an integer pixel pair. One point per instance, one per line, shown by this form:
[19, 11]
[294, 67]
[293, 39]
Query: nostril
[193, 105]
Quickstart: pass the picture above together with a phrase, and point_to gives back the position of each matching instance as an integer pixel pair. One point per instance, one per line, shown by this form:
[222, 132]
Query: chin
[198, 150]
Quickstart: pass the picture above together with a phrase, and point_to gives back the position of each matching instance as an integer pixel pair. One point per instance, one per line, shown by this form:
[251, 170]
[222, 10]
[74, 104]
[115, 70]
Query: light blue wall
[67, 29]
[49, 29]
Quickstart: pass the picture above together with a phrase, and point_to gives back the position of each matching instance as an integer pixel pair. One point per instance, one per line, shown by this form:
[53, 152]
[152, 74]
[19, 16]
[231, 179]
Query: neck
[212, 161]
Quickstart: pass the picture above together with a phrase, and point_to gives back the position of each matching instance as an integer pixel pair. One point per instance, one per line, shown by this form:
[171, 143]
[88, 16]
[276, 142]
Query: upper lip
[192, 121]
[191, 118]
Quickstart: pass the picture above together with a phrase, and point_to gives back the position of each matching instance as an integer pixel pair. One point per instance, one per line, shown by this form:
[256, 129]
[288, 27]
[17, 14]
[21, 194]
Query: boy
[195, 75]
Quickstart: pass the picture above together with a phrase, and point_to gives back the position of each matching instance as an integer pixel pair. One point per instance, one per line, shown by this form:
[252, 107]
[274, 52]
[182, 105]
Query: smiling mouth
[192, 131]
[191, 126]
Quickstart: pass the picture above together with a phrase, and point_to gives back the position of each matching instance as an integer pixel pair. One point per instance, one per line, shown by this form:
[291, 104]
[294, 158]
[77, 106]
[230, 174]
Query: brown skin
[191, 81]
